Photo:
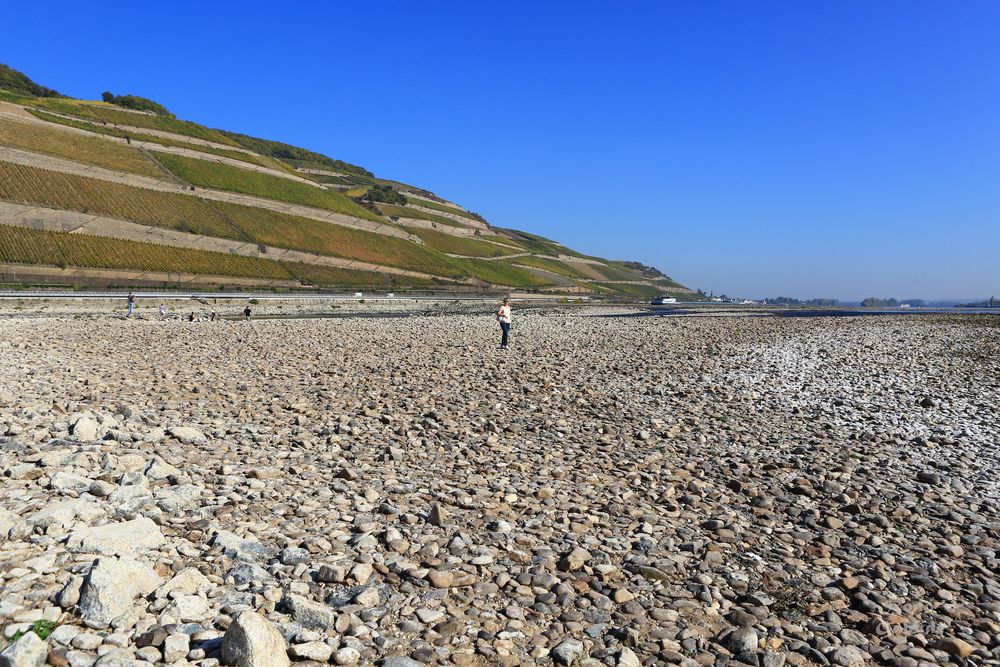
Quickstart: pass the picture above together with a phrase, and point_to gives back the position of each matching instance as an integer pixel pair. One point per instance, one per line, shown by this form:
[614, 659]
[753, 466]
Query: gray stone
[293, 556]
[309, 614]
[28, 651]
[567, 651]
[847, 656]
[398, 661]
[742, 640]
[244, 549]
[244, 573]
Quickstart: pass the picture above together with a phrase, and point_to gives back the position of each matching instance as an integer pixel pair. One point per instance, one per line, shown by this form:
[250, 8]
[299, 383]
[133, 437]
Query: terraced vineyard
[462, 245]
[112, 131]
[20, 245]
[107, 113]
[85, 134]
[234, 179]
[288, 231]
[549, 264]
[40, 187]
[404, 212]
[74, 146]
[443, 208]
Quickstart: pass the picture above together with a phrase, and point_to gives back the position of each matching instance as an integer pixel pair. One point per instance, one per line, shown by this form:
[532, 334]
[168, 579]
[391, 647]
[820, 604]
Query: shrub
[137, 103]
[384, 194]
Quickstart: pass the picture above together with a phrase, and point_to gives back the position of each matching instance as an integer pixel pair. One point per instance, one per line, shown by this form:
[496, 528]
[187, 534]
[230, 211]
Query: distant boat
[662, 300]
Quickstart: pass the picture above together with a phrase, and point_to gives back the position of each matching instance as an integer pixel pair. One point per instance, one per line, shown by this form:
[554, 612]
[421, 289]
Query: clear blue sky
[842, 149]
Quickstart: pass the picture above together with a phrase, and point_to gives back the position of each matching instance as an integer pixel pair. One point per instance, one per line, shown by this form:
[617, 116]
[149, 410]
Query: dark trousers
[506, 333]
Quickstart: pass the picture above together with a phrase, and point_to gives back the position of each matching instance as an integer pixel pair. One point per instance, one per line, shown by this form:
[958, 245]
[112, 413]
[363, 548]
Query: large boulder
[118, 538]
[251, 641]
[63, 513]
[111, 588]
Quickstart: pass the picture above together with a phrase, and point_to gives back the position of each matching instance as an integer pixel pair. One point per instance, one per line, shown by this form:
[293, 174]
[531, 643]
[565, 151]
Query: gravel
[610, 491]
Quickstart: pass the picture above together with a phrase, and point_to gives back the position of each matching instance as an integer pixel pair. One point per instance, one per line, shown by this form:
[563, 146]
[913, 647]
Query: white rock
[158, 469]
[176, 646]
[318, 651]
[65, 481]
[112, 587]
[173, 499]
[188, 581]
[187, 608]
[85, 428]
[252, 641]
[628, 658]
[347, 656]
[118, 538]
[63, 513]
[187, 435]
[7, 521]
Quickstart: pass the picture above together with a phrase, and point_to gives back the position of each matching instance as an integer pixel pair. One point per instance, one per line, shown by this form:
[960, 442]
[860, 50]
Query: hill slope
[94, 193]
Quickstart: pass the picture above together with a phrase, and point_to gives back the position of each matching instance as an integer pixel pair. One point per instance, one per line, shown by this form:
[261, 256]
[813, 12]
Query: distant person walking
[503, 317]
[131, 303]
[163, 311]
[246, 313]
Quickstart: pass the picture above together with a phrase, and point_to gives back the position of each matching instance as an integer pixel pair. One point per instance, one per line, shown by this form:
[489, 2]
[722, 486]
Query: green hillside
[118, 191]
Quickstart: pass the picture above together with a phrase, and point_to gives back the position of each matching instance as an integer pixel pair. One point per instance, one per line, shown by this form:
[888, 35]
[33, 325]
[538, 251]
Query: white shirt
[504, 314]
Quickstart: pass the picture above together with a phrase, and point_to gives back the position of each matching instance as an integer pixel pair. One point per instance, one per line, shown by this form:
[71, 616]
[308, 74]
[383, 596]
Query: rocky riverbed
[609, 492]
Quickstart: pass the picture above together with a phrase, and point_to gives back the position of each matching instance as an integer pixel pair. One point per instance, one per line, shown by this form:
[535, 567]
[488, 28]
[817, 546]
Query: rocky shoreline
[610, 491]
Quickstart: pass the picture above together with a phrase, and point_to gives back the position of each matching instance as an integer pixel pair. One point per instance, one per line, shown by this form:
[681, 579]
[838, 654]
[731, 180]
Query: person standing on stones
[246, 313]
[163, 311]
[503, 317]
[131, 303]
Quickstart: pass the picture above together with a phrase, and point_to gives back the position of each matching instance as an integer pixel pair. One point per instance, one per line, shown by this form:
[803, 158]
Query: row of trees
[136, 102]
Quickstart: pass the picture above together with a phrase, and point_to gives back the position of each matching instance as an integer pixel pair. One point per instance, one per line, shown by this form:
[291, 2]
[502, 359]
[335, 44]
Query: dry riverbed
[692, 491]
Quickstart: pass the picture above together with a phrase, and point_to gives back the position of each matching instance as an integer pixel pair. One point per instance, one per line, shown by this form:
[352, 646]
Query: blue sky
[830, 149]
